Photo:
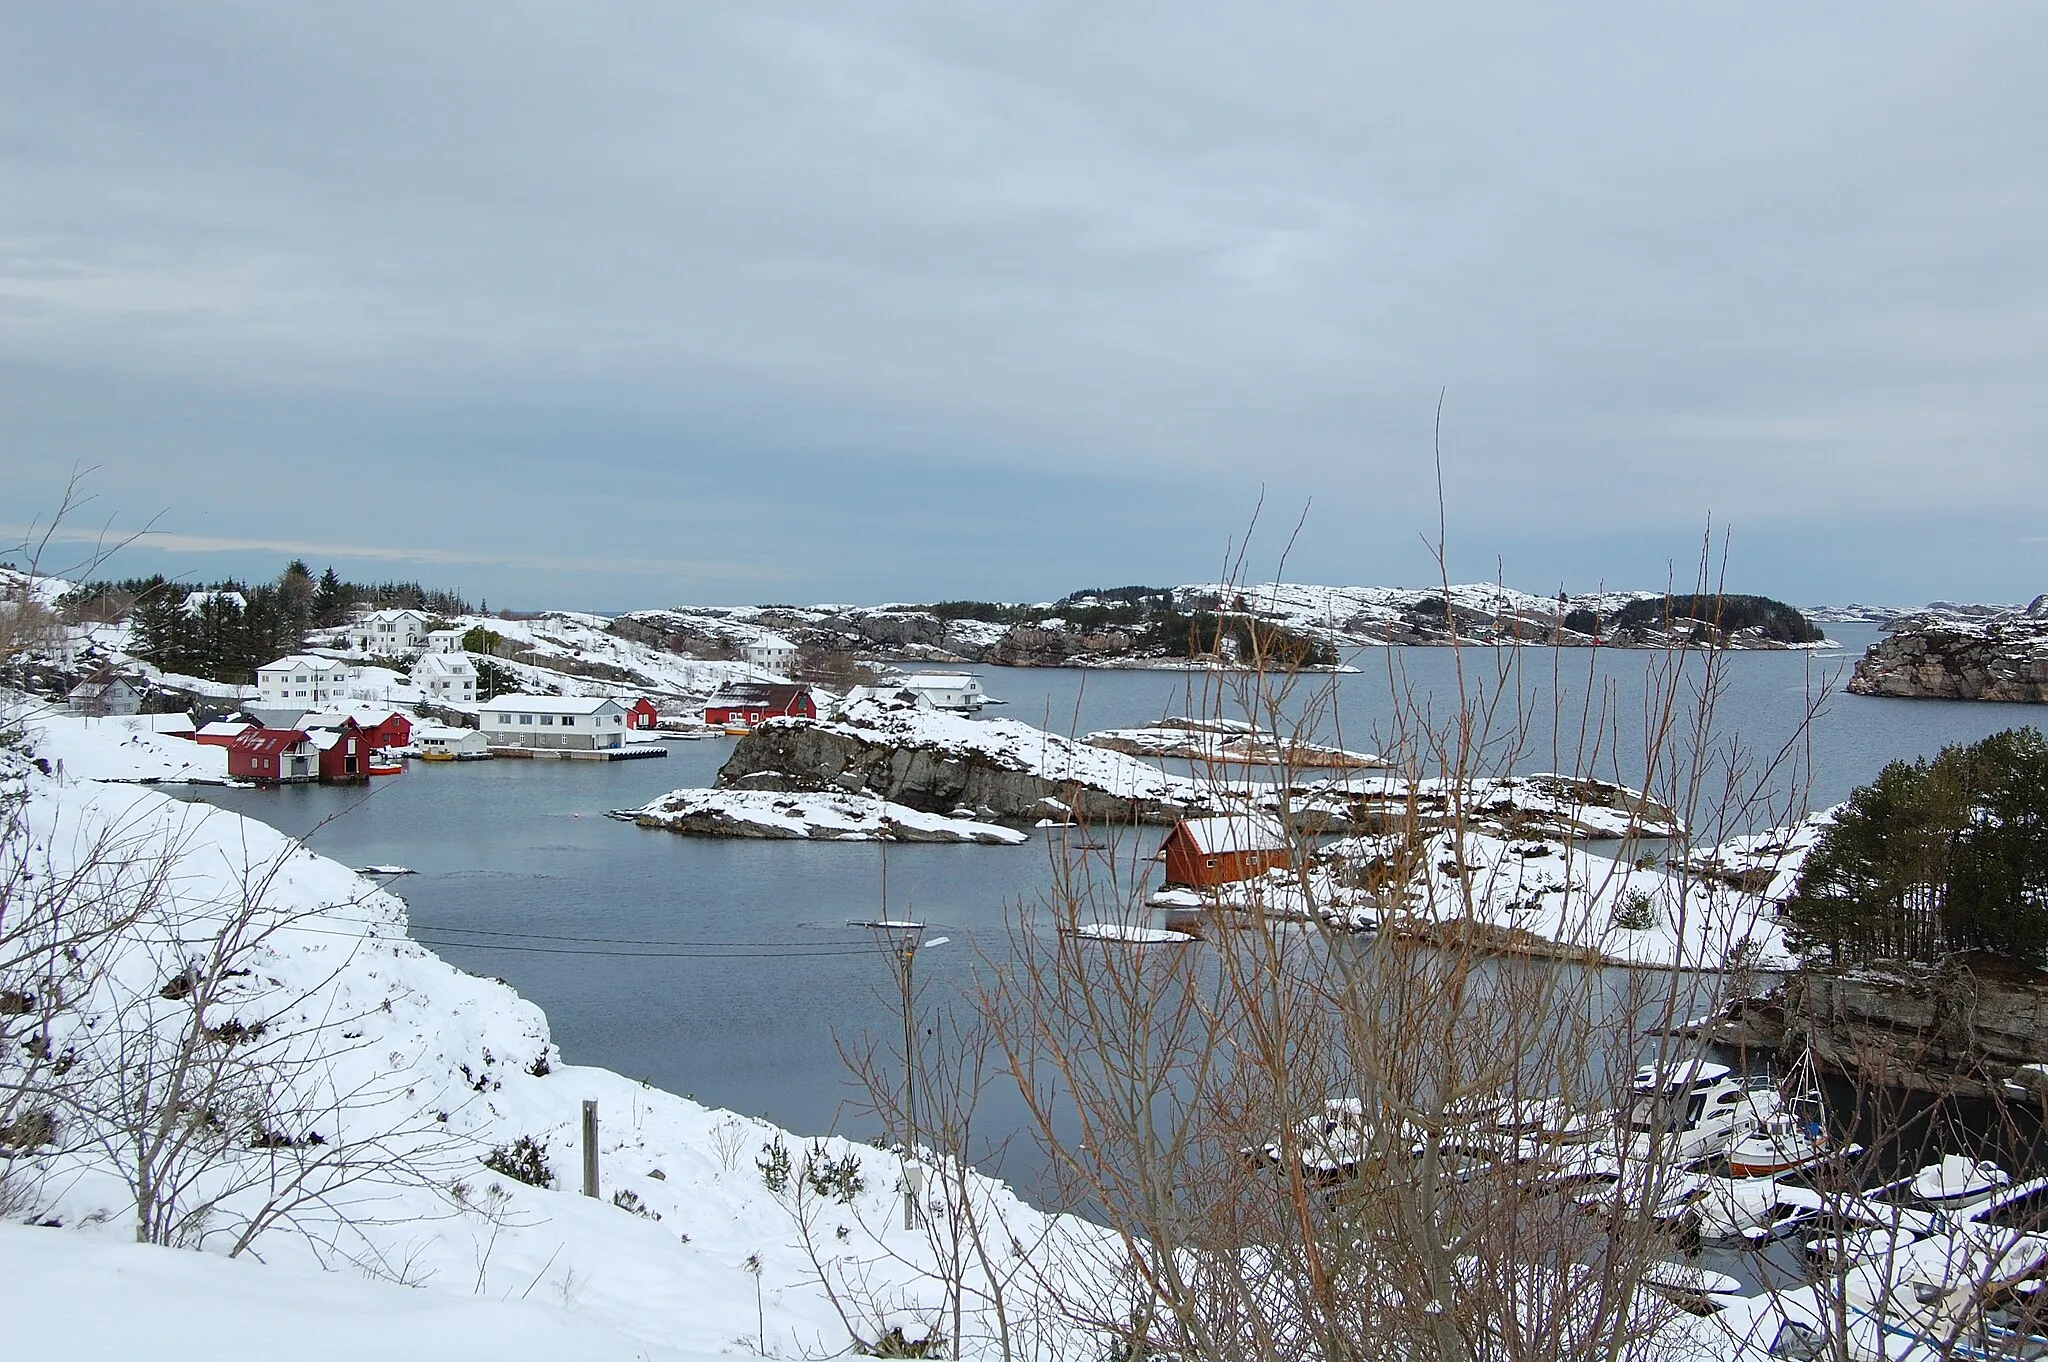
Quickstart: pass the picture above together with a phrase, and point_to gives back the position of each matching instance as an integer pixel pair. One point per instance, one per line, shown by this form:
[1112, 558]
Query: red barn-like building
[273, 756]
[747, 705]
[641, 713]
[1204, 852]
[391, 730]
[276, 756]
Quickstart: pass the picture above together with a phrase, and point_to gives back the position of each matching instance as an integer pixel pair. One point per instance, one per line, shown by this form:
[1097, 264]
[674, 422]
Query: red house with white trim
[749, 703]
[392, 730]
[641, 713]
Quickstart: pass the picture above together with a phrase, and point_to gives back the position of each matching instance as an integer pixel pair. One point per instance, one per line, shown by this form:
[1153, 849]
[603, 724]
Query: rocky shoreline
[1945, 1031]
[1941, 658]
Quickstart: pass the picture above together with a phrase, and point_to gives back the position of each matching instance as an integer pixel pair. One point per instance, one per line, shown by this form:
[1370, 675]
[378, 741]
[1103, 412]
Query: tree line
[203, 632]
[1935, 858]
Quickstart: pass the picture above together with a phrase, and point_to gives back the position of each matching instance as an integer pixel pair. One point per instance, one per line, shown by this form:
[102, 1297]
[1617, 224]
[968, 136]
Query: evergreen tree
[1934, 857]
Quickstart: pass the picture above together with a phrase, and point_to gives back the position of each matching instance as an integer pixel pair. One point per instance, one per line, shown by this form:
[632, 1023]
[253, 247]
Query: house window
[568, 721]
[547, 718]
[526, 718]
[1211, 863]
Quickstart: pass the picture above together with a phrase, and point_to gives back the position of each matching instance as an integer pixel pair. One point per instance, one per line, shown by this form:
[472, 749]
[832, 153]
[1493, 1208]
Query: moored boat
[1795, 1135]
[1957, 1181]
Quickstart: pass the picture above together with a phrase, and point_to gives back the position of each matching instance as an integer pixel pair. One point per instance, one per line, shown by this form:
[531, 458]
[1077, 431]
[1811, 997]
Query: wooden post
[590, 1147]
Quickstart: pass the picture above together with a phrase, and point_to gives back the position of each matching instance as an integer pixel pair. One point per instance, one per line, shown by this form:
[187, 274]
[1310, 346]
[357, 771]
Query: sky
[615, 305]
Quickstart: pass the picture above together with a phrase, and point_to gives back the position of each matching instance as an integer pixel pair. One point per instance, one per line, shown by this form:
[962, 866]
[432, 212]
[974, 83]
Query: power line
[607, 940]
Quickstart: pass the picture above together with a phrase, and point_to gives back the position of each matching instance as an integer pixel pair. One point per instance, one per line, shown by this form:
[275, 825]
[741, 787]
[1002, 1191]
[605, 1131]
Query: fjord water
[723, 968]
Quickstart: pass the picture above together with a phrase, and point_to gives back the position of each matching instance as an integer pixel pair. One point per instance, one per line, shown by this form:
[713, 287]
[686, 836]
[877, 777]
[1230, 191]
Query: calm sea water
[734, 970]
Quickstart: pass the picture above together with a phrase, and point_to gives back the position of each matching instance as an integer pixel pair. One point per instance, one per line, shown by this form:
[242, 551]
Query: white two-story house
[446, 678]
[302, 682]
[388, 633]
[773, 653]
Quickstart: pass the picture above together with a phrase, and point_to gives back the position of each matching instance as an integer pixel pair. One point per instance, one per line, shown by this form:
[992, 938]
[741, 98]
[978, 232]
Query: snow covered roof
[444, 664]
[360, 718]
[221, 728]
[773, 641]
[158, 723]
[941, 681]
[269, 741]
[94, 690]
[1233, 833]
[548, 704]
[323, 666]
[198, 600]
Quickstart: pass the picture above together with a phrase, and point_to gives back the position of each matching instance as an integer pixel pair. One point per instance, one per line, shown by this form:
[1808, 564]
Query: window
[568, 721]
[526, 718]
[547, 718]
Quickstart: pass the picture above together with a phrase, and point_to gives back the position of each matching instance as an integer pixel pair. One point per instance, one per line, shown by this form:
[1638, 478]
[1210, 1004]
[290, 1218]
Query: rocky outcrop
[1938, 1030]
[1936, 659]
[1038, 776]
[810, 817]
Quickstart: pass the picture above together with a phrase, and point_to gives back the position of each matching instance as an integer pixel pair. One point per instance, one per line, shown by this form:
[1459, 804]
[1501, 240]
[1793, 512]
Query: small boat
[383, 766]
[1958, 1181]
[1794, 1135]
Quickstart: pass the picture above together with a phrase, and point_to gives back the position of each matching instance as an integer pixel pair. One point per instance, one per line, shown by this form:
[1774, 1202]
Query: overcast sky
[614, 305]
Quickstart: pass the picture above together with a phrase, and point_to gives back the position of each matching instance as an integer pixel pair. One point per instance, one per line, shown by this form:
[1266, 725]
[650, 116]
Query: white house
[772, 652]
[388, 632]
[111, 695]
[197, 601]
[957, 691]
[438, 742]
[447, 678]
[302, 682]
[553, 721]
[445, 641]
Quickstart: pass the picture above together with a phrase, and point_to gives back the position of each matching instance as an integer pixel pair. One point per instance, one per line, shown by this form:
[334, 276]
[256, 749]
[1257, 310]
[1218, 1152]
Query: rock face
[2004, 659]
[1936, 1030]
[931, 776]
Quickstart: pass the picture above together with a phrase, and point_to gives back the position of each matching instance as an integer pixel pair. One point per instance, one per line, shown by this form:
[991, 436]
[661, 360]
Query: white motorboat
[1958, 1181]
[1694, 1110]
[1793, 1135]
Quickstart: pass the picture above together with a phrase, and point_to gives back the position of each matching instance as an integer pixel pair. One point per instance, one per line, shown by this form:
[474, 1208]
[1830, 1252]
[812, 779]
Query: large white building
[447, 678]
[774, 653]
[388, 632]
[553, 721]
[302, 682]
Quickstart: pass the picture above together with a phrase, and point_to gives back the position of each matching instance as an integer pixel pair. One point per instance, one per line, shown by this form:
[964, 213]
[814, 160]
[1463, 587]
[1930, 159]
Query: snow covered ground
[818, 817]
[373, 1078]
[112, 749]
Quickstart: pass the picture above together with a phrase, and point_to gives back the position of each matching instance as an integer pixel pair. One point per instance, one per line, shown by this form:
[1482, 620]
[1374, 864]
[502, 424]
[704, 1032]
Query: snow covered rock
[818, 817]
[937, 761]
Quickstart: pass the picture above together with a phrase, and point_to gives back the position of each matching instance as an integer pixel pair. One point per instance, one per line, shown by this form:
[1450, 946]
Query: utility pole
[900, 938]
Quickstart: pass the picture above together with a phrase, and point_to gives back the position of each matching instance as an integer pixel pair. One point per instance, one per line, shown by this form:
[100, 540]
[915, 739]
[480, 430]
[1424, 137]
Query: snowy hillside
[355, 1084]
